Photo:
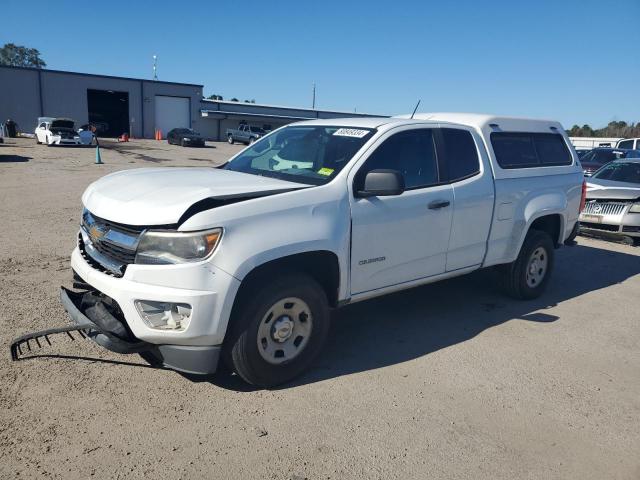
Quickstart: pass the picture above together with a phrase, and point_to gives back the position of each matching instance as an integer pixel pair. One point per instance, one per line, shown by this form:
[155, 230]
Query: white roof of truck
[474, 120]
[481, 121]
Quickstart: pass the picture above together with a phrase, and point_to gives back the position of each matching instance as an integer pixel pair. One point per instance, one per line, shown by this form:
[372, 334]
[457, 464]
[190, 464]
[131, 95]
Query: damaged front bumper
[95, 316]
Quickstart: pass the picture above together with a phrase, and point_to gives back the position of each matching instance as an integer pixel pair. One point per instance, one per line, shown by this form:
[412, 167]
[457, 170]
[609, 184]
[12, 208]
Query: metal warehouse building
[132, 105]
[120, 105]
[217, 116]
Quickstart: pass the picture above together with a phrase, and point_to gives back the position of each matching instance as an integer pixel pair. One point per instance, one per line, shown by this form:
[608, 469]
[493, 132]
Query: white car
[57, 131]
[245, 261]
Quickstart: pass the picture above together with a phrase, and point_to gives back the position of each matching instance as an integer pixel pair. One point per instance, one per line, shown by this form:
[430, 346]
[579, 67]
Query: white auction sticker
[351, 132]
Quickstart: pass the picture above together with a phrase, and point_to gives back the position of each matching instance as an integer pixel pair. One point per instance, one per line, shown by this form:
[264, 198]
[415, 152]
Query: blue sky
[575, 61]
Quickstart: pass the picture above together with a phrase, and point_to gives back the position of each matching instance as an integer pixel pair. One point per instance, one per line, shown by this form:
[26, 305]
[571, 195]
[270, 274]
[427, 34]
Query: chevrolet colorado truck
[243, 263]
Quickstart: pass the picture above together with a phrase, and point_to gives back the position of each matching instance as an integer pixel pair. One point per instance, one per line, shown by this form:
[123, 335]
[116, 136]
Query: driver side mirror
[382, 183]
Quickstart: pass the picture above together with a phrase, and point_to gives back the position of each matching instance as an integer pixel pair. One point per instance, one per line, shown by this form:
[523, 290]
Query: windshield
[628, 172]
[304, 154]
[600, 156]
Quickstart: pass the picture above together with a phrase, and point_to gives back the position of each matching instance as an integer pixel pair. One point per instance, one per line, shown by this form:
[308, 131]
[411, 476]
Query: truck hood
[160, 196]
[612, 190]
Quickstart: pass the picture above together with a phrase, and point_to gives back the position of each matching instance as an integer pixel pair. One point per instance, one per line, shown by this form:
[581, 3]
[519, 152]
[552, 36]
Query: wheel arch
[322, 265]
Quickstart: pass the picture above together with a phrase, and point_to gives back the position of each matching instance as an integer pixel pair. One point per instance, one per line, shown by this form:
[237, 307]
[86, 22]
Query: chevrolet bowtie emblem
[97, 231]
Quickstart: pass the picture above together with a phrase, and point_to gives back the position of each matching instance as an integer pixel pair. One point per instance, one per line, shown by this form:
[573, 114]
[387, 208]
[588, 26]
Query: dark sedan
[185, 137]
[596, 158]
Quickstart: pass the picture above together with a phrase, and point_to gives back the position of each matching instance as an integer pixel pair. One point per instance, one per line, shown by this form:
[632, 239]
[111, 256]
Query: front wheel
[251, 140]
[527, 277]
[279, 329]
[230, 139]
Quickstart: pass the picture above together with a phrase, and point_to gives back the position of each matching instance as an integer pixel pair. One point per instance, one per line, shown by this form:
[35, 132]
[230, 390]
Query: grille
[600, 226]
[631, 229]
[604, 208]
[114, 241]
[117, 253]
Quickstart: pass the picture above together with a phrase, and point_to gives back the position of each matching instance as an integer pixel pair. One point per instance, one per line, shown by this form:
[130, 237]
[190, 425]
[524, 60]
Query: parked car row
[598, 157]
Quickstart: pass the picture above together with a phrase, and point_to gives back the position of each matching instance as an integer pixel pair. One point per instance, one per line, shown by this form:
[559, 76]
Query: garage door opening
[109, 112]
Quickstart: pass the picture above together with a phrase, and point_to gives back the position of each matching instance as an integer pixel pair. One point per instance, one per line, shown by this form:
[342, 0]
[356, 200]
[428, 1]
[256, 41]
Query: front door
[397, 239]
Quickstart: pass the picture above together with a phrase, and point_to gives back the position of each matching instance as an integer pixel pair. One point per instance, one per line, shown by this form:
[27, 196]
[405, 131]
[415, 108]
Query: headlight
[635, 208]
[162, 248]
[186, 139]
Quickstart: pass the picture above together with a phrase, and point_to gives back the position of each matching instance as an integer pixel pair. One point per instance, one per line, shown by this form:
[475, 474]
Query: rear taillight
[583, 199]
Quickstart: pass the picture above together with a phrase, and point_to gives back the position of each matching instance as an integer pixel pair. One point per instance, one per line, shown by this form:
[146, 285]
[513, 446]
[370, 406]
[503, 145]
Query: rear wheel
[230, 139]
[528, 275]
[279, 329]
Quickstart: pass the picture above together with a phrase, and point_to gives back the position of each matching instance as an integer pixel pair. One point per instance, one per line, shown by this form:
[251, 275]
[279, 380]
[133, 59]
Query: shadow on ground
[13, 159]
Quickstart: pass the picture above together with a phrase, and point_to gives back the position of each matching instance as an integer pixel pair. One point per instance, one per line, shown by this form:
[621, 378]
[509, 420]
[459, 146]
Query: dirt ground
[451, 380]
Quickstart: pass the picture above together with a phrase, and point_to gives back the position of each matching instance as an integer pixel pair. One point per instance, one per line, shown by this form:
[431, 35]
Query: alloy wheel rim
[284, 330]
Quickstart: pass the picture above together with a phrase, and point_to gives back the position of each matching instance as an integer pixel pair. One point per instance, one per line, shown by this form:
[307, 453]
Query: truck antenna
[414, 110]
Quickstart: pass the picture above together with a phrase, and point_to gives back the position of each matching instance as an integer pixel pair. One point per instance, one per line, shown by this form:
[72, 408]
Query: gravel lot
[452, 380]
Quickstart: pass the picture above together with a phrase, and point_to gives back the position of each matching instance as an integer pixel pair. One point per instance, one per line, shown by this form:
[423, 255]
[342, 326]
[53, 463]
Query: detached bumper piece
[91, 319]
[98, 317]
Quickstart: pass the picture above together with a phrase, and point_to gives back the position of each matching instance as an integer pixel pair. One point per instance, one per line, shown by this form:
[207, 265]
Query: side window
[411, 152]
[460, 153]
[626, 144]
[514, 150]
[526, 150]
[551, 149]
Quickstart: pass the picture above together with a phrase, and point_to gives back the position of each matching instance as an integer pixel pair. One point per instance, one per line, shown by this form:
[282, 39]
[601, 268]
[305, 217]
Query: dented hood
[160, 196]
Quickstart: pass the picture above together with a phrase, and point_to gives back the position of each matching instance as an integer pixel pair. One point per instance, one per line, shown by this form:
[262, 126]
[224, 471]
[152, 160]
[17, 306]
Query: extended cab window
[527, 150]
[626, 144]
[411, 152]
[460, 153]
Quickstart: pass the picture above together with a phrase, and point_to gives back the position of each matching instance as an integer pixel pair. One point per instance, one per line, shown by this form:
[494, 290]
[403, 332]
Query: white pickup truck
[243, 263]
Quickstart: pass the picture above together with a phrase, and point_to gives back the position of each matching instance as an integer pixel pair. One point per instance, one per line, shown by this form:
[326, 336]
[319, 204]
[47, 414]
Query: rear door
[465, 166]
[397, 239]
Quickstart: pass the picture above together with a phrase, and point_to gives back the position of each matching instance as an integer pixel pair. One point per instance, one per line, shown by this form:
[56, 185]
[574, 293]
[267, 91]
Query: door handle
[437, 204]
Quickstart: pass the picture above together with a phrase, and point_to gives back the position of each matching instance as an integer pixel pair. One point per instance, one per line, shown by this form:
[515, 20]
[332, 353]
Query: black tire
[255, 304]
[230, 139]
[515, 274]
[251, 140]
[571, 239]
[37, 141]
[182, 143]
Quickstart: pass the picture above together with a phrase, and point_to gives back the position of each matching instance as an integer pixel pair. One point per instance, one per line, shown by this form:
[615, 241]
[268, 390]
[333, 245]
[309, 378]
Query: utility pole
[313, 101]
[155, 67]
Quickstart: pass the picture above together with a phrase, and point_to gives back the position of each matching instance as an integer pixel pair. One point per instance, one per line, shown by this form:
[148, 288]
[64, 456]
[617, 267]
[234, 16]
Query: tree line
[615, 129]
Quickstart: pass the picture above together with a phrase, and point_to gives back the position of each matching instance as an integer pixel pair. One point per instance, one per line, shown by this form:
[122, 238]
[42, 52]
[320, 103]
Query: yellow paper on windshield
[325, 171]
